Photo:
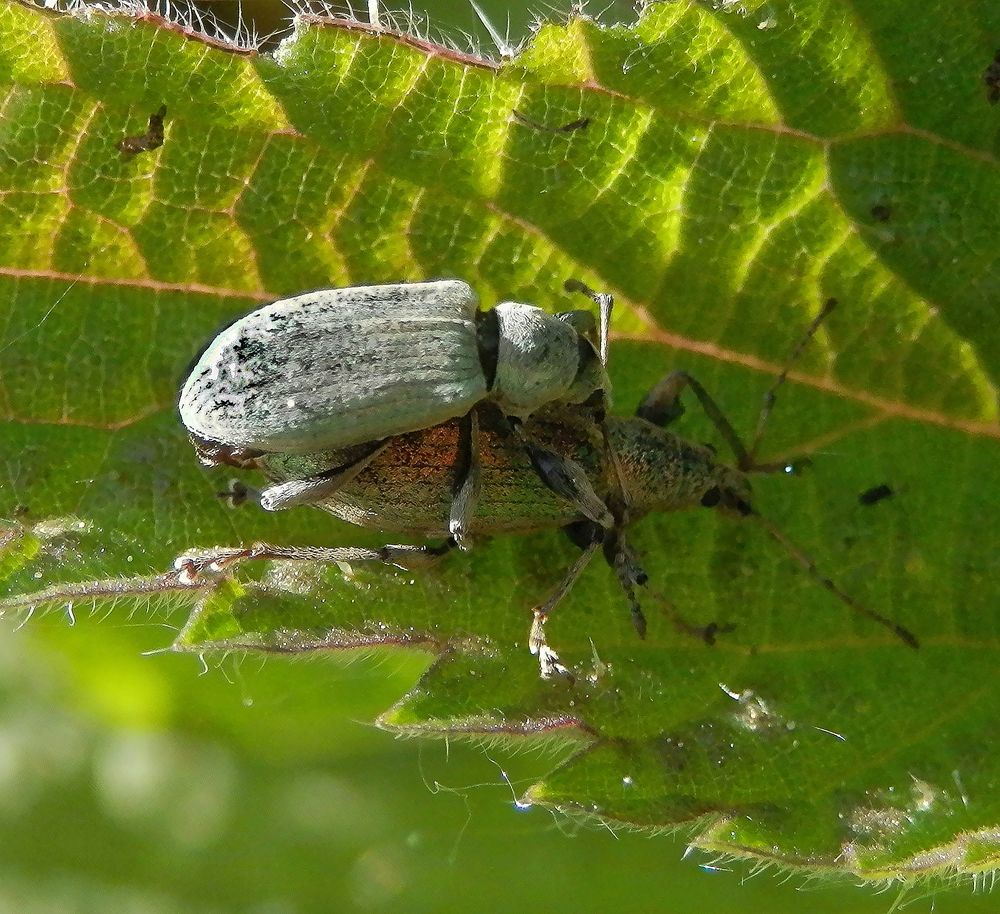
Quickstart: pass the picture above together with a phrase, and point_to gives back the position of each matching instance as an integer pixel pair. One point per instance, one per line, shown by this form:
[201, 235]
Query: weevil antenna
[771, 395]
[775, 532]
[605, 302]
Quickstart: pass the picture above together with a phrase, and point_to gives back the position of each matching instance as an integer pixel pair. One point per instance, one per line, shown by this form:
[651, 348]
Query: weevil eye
[741, 506]
[712, 497]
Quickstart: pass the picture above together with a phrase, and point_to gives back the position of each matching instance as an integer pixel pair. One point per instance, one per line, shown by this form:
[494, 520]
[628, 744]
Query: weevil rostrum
[475, 466]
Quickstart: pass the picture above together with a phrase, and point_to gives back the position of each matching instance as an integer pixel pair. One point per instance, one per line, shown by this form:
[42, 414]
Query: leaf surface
[737, 169]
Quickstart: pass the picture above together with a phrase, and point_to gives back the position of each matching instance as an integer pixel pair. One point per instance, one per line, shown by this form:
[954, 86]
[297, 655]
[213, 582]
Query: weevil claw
[457, 531]
[548, 659]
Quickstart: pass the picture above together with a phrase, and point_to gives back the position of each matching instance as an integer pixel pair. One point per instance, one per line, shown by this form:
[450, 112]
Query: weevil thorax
[663, 472]
[540, 360]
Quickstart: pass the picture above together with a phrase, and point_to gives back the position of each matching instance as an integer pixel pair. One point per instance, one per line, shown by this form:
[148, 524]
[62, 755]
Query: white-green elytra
[339, 367]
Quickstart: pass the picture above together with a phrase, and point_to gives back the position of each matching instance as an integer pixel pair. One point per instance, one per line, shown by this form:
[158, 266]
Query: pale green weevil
[341, 367]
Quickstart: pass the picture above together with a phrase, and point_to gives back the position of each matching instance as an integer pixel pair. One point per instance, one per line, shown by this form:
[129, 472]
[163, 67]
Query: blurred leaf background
[148, 783]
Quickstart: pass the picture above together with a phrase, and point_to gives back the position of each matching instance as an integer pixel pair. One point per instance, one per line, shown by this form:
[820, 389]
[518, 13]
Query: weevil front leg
[662, 405]
[196, 562]
[605, 304]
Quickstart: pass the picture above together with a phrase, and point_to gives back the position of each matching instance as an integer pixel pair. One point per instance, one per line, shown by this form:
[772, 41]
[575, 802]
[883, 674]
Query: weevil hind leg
[213, 561]
[465, 490]
[312, 489]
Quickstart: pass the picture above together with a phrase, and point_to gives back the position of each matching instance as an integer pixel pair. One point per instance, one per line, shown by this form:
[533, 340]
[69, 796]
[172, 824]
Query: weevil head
[730, 491]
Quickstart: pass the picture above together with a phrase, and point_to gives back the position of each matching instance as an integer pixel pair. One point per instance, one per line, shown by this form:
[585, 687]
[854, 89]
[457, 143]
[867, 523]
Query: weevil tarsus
[548, 659]
[237, 493]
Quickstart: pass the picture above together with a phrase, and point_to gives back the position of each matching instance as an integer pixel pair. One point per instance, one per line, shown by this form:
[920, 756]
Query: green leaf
[738, 168]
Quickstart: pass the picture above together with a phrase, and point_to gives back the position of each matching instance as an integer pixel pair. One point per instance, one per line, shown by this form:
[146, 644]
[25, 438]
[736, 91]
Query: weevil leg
[238, 493]
[706, 633]
[567, 478]
[662, 406]
[622, 559]
[191, 564]
[605, 302]
[312, 489]
[548, 659]
[214, 454]
[465, 491]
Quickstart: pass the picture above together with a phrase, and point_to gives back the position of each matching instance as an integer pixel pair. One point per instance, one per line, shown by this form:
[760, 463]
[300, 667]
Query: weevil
[343, 367]
[629, 466]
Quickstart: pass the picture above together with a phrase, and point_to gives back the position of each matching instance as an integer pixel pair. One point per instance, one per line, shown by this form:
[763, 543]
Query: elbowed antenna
[605, 302]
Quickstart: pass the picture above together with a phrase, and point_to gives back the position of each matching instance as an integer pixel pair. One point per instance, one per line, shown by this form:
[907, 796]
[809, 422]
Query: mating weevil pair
[406, 408]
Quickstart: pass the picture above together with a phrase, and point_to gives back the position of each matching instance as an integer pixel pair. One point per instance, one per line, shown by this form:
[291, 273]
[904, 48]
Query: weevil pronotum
[561, 466]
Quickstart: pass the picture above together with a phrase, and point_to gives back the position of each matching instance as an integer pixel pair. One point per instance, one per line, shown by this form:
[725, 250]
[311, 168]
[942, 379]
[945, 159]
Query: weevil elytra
[560, 467]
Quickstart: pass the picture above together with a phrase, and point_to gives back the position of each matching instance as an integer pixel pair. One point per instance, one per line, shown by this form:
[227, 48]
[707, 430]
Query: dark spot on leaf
[881, 212]
[525, 121]
[992, 79]
[148, 141]
[875, 494]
